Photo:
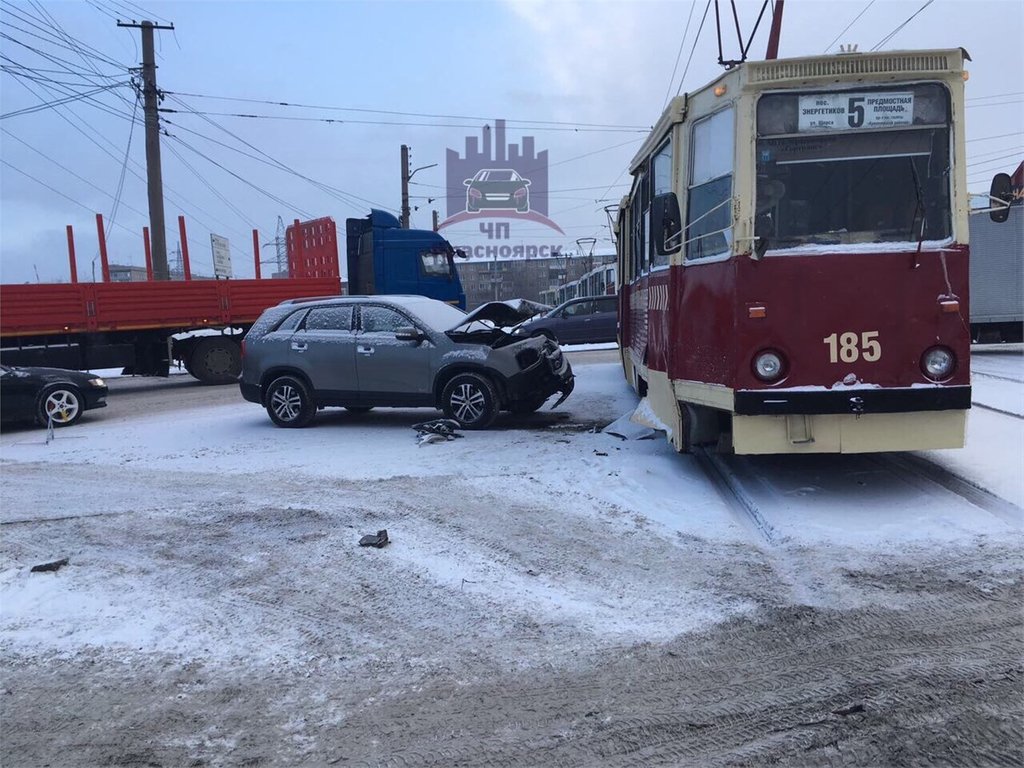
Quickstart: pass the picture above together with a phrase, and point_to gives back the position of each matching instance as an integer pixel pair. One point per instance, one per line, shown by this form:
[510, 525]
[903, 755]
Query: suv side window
[378, 319]
[291, 322]
[606, 304]
[329, 319]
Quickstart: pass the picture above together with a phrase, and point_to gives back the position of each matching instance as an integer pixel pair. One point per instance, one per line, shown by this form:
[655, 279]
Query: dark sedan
[46, 395]
[590, 320]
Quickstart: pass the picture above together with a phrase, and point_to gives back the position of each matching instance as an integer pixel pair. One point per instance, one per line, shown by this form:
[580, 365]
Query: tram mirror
[1000, 195]
[666, 223]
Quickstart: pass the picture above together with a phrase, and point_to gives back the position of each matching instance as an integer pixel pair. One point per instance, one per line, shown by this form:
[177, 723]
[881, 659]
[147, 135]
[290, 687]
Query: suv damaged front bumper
[543, 376]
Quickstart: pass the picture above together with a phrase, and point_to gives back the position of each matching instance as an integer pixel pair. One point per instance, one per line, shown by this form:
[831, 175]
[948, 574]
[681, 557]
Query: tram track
[739, 496]
[734, 494]
[923, 469]
[1003, 411]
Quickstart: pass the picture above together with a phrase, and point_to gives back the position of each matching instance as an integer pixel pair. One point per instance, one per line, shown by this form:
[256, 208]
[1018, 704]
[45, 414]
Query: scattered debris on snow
[378, 540]
[436, 431]
[627, 429]
[56, 565]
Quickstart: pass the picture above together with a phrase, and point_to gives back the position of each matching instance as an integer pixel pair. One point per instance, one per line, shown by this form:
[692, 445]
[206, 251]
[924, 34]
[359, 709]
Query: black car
[48, 394]
[591, 320]
[500, 188]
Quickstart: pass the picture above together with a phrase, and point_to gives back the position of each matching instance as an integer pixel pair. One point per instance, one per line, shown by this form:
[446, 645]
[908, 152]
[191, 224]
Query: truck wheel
[216, 360]
[289, 403]
[470, 399]
[60, 402]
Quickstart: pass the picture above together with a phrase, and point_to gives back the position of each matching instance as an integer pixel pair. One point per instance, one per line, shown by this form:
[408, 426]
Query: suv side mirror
[409, 334]
[666, 224]
[1001, 191]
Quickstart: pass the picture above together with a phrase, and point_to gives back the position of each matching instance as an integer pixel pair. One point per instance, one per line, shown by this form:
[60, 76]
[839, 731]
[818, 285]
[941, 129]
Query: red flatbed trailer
[137, 325]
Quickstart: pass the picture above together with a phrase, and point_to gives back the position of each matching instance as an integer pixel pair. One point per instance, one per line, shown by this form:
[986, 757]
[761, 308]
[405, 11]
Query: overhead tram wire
[847, 27]
[693, 48]
[347, 121]
[893, 34]
[679, 54]
[393, 113]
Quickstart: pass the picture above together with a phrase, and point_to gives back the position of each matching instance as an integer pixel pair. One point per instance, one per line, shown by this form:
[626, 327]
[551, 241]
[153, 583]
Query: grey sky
[571, 64]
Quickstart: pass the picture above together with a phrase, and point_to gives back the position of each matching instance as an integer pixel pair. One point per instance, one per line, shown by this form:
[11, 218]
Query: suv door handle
[364, 350]
[300, 346]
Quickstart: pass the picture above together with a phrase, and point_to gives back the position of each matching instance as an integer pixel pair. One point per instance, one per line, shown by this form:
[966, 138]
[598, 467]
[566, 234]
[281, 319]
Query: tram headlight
[768, 365]
[938, 363]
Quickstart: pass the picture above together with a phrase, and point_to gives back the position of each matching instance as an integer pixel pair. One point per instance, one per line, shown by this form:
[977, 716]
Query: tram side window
[661, 176]
[639, 219]
[709, 213]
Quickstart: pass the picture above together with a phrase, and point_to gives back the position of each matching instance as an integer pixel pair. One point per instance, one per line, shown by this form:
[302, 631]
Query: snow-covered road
[552, 594]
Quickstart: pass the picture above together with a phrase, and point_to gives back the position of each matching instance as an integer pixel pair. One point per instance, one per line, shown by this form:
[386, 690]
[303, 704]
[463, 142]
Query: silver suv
[359, 352]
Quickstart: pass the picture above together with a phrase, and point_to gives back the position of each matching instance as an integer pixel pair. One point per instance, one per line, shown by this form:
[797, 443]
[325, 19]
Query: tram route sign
[850, 111]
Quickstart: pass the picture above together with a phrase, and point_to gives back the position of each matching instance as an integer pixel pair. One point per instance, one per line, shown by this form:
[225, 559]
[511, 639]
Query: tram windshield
[870, 166]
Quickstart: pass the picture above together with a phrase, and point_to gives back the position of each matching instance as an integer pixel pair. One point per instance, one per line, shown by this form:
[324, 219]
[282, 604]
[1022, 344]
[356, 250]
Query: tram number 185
[845, 347]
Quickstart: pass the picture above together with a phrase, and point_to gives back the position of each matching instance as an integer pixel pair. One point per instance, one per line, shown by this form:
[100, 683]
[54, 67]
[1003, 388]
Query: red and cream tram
[792, 258]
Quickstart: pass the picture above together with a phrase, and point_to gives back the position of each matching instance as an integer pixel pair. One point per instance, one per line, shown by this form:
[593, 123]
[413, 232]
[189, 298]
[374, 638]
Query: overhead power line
[340, 194]
[56, 191]
[58, 102]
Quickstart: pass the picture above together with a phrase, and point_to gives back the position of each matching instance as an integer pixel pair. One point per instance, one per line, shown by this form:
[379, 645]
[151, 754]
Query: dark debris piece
[446, 428]
[56, 565]
[379, 539]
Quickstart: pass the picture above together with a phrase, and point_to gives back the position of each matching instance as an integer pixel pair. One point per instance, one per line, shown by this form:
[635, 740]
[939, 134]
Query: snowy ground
[551, 595]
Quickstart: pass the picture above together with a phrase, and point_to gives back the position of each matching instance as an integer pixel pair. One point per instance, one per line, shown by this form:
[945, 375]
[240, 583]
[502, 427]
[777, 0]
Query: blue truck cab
[383, 258]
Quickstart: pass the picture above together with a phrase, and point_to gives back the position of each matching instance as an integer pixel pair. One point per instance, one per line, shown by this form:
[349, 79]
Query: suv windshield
[866, 166]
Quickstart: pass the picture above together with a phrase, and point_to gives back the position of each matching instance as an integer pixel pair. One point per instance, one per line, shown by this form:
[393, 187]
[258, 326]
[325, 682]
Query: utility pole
[435, 220]
[151, 99]
[407, 175]
[776, 32]
[404, 220]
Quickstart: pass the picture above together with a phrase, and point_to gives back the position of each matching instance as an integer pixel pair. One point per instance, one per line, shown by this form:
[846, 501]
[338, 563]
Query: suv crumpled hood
[500, 313]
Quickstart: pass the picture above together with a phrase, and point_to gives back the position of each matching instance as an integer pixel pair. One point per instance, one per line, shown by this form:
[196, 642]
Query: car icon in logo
[497, 188]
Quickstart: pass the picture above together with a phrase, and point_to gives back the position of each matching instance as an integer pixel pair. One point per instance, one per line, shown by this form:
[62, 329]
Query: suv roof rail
[310, 298]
